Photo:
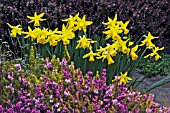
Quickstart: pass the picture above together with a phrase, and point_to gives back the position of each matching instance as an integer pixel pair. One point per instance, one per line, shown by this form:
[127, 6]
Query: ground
[162, 93]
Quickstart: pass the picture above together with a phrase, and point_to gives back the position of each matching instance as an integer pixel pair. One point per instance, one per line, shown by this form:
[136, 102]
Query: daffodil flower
[155, 53]
[126, 31]
[106, 55]
[111, 23]
[71, 21]
[42, 36]
[53, 39]
[30, 33]
[84, 42]
[133, 54]
[82, 23]
[124, 79]
[147, 41]
[36, 18]
[15, 30]
[111, 33]
[66, 35]
[124, 48]
[90, 55]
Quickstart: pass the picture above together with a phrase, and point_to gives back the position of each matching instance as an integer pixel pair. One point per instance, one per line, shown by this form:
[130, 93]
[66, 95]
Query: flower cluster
[73, 92]
[114, 29]
[46, 35]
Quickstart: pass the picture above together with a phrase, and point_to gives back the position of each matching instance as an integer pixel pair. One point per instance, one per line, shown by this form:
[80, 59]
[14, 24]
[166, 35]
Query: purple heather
[48, 64]
[1, 109]
[17, 67]
[63, 62]
[10, 76]
[148, 110]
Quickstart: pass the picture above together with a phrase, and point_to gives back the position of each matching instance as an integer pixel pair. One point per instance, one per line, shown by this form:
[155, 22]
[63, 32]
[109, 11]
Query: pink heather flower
[137, 110]
[148, 110]
[10, 87]
[17, 67]
[27, 110]
[96, 91]
[1, 109]
[160, 110]
[66, 93]
[18, 105]
[23, 81]
[122, 96]
[106, 100]
[114, 102]
[58, 110]
[151, 97]
[109, 93]
[63, 62]
[107, 106]
[144, 97]
[10, 76]
[48, 111]
[89, 73]
[48, 64]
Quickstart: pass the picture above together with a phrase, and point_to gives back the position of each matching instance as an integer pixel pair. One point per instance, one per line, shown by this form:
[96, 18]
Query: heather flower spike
[36, 18]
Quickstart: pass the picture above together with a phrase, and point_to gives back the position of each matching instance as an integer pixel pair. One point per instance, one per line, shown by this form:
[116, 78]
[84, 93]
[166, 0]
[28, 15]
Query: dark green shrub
[144, 15]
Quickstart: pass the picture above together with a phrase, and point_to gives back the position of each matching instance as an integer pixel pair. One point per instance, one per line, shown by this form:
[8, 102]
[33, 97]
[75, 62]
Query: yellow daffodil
[109, 48]
[90, 55]
[84, 42]
[106, 55]
[42, 36]
[117, 45]
[124, 79]
[154, 53]
[111, 33]
[53, 39]
[71, 21]
[82, 23]
[30, 33]
[133, 54]
[147, 41]
[36, 19]
[130, 43]
[66, 35]
[126, 31]
[15, 30]
[124, 48]
[111, 23]
[37, 32]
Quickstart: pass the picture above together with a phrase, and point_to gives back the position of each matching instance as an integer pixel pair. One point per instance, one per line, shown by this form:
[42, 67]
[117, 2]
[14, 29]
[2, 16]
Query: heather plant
[154, 68]
[119, 54]
[62, 88]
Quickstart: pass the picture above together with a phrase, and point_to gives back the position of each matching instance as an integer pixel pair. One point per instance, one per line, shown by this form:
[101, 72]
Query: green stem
[131, 71]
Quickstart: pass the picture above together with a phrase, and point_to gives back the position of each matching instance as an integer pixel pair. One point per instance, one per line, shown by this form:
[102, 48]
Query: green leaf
[159, 83]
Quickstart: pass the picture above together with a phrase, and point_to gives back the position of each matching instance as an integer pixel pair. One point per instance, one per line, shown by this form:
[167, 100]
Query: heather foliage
[55, 86]
[144, 15]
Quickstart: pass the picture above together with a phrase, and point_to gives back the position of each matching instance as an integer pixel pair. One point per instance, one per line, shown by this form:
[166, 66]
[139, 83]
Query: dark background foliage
[144, 15]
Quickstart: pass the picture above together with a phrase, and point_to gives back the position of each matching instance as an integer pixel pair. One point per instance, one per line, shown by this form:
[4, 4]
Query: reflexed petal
[41, 15]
